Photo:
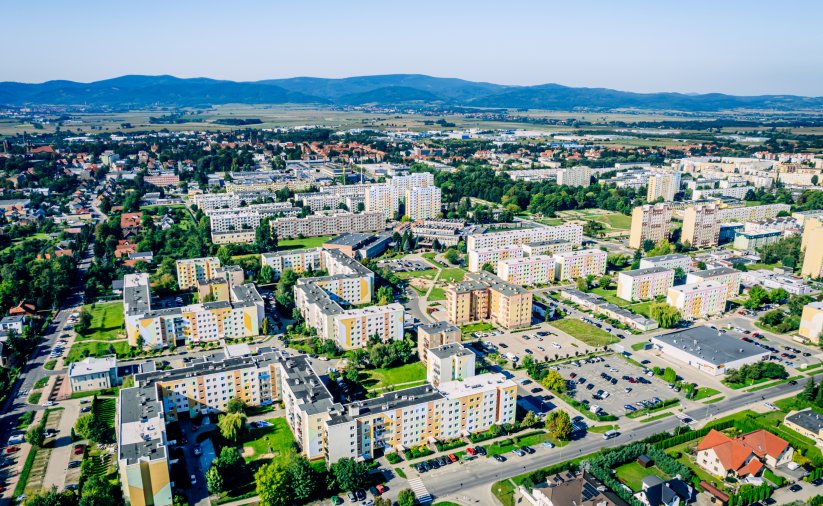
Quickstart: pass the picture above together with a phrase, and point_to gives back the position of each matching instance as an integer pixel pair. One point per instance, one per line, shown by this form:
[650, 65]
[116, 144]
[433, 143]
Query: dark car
[589, 386]
[528, 449]
[361, 496]
[500, 458]
[503, 345]
[480, 450]
[792, 382]
[817, 482]
[769, 501]
[796, 487]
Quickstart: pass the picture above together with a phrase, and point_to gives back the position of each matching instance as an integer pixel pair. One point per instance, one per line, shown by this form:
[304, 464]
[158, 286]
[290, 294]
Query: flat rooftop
[808, 419]
[450, 350]
[644, 272]
[387, 402]
[714, 346]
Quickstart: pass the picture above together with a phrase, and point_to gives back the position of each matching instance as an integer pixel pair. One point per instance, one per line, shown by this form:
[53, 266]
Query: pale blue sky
[731, 46]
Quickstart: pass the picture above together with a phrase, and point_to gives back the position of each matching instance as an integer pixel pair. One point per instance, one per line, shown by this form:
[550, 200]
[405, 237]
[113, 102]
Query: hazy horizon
[736, 47]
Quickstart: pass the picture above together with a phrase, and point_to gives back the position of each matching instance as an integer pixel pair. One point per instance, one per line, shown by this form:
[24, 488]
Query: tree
[778, 295]
[384, 295]
[303, 478]
[285, 288]
[530, 420]
[647, 245]
[452, 256]
[272, 485]
[818, 399]
[582, 284]
[91, 428]
[265, 238]
[669, 375]
[83, 322]
[231, 425]
[350, 474]
[757, 297]
[796, 304]
[488, 268]
[214, 480]
[405, 498]
[264, 327]
[554, 381]
[36, 436]
[52, 498]
[559, 425]
[266, 274]
[604, 281]
[664, 247]
[665, 315]
[235, 405]
[809, 391]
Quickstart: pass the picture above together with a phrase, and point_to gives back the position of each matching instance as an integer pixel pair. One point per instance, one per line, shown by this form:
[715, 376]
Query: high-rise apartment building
[812, 246]
[194, 270]
[644, 284]
[299, 260]
[433, 335]
[484, 296]
[384, 199]
[528, 271]
[701, 226]
[650, 222]
[423, 203]
[569, 233]
[575, 176]
[811, 322]
[664, 185]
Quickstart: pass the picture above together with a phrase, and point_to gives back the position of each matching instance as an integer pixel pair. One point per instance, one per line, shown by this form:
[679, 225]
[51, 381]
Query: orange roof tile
[763, 442]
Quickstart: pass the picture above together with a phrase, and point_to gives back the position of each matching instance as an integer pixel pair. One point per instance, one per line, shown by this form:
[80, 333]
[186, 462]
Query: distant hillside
[396, 89]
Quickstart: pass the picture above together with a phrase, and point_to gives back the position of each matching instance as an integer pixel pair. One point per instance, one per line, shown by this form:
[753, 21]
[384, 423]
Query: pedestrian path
[423, 496]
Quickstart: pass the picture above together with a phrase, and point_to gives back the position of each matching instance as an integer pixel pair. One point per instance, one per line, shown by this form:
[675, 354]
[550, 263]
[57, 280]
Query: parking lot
[404, 265]
[542, 342]
[606, 375]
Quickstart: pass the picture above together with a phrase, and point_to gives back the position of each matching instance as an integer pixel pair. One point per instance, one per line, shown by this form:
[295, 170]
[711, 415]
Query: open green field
[81, 350]
[585, 332]
[610, 295]
[476, 327]
[424, 274]
[452, 275]
[106, 322]
[615, 221]
[437, 294]
[632, 474]
[308, 242]
[275, 442]
[382, 378]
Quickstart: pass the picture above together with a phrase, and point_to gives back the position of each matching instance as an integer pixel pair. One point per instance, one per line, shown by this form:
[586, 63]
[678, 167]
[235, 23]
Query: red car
[452, 457]
[471, 451]
[12, 449]
[79, 449]
[382, 489]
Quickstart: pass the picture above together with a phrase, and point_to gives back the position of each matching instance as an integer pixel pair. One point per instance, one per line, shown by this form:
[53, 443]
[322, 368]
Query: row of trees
[282, 483]
[750, 373]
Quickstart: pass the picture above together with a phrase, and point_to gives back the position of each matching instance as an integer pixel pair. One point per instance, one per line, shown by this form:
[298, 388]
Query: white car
[48, 404]
[193, 480]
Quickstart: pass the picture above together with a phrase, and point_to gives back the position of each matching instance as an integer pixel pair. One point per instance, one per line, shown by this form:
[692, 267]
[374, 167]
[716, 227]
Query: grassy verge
[106, 322]
[34, 398]
[639, 346]
[384, 378]
[306, 243]
[25, 473]
[716, 399]
[666, 404]
[705, 393]
[657, 417]
[468, 329]
[41, 383]
[49, 365]
[81, 350]
[277, 438]
[585, 332]
[436, 294]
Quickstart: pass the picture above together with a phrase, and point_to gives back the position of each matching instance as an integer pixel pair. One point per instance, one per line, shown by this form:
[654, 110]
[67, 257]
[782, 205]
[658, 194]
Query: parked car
[519, 452]
[500, 458]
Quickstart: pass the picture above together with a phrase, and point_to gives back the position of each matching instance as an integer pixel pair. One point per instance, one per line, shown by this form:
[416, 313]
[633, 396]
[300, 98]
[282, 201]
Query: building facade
[698, 300]
[581, 263]
[423, 203]
[644, 284]
[484, 296]
[701, 226]
[811, 321]
[650, 222]
[528, 271]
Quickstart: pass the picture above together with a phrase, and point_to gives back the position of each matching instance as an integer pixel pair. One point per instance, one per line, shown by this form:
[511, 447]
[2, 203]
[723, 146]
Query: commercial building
[433, 335]
[650, 222]
[747, 241]
[569, 233]
[423, 203]
[300, 260]
[672, 261]
[241, 316]
[528, 271]
[331, 224]
[730, 278]
[360, 245]
[492, 256]
[484, 296]
[644, 284]
[698, 300]
[664, 185]
[701, 226]
[811, 321]
[812, 249]
[93, 373]
[708, 350]
[575, 176]
[772, 280]
[576, 264]
[450, 362]
[445, 232]
[191, 271]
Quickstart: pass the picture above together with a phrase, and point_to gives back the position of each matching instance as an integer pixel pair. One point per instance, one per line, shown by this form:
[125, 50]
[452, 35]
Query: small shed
[645, 461]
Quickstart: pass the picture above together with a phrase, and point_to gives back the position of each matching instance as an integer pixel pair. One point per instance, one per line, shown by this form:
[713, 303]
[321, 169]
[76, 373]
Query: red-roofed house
[742, 456]
[23, 309]
[130, 223]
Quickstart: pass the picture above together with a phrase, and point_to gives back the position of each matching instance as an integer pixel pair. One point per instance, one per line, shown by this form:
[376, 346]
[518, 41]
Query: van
[609, 434]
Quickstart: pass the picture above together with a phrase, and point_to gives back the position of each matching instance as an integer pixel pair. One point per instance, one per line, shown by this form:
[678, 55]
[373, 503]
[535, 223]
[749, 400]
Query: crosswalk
[420, 492]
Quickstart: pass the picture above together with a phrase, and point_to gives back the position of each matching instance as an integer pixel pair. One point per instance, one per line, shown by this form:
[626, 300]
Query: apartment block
[484, 296]
[752, 213]
[433, 335]
[701, 226]
[664, 185]
[528, 271]
[575, 176]
[812, 249]
[247, 218]
[569, 233]
[672, 261]
[576, 264]
[450, 362]
[415, 180]
[423, 203]
[241, 316]
[230, 200]
[300, 260]
[492, 256]
[811, 321]
[191, 271]
[650, 222]
[354, 328]
[328, 224]
[384, 199]
[644, 284]
[220, 285]
[698, 300]
[729, 278]
[748, 241]
[547, 247]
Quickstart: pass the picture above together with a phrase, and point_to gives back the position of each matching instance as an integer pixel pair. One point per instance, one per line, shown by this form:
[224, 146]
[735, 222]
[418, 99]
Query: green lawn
[306, 243]
[704, 393]
[615, 221]
[639, 346]
[81, 350]
[425, 274]
[452, 275]
[476, 327]
[585, 332]
[641, 308]
[106, 322]
[382, 378]
[632, 474]
[437, 294]
[610, 296]
[276, 440]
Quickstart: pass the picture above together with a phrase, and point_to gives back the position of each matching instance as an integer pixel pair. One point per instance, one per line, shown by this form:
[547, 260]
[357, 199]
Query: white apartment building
[570, 233]
[672, 261]
[752, 213]
[480, 257]
[192, 271]
[644, 284]
[450, 362]
[737, 192]
[650, 222]
[664, 185]
[528, 271]
[322, 201]
[575, 176]
[575, 264]
[547, 247]
[300, 260]
[415, 180]
[423, 203]
[331, 224]
[701, 226]
[247, 218]
[229, 200]
[698, 300]
[384, 199]
[729, 278]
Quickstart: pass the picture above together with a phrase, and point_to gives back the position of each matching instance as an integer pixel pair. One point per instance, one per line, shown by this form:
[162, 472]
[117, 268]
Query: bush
[394, 458]
[448, 445]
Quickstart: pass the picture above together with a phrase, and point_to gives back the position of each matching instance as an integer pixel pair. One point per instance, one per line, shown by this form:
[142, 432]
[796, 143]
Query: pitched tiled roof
[763, 442]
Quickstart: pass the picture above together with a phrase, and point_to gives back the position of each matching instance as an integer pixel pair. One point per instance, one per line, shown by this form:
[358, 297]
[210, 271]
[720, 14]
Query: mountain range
[136, 91]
